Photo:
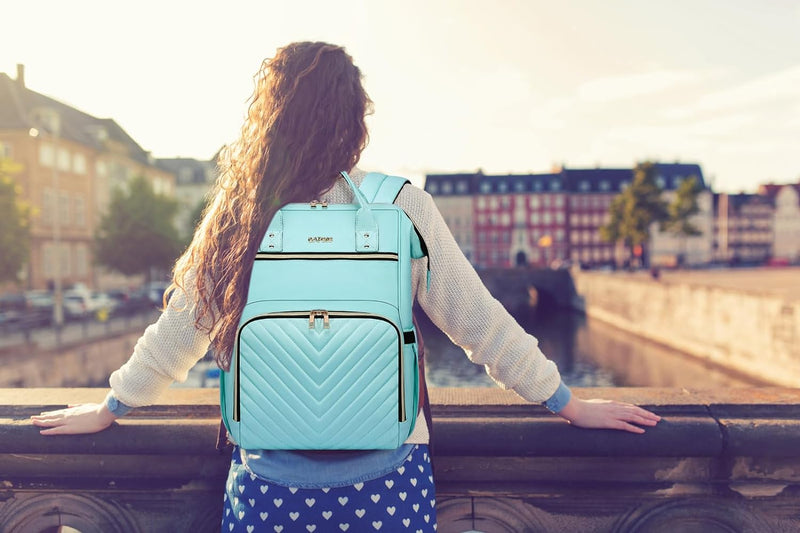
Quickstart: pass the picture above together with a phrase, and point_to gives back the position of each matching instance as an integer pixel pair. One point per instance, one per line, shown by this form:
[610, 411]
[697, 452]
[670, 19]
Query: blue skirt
[402, 500]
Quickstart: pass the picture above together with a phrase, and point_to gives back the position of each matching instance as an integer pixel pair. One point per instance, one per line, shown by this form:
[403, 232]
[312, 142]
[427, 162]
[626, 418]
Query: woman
[305, 124]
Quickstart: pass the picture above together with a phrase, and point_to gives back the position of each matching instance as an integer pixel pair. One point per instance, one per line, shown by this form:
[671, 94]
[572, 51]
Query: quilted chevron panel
[319, 388]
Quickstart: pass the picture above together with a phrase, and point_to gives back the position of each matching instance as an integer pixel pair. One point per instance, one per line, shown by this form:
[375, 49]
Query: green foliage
[138, 232]
[634, 210]
[15, 215]
[682, 208]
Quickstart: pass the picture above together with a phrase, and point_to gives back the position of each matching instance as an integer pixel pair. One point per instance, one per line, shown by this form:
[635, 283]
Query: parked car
[26, 310]
[77, 305]
[155, 291]
[128, 302]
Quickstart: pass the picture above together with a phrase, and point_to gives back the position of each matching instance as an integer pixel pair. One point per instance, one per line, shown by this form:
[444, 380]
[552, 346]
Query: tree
[138, 232]
[680, 211]
[15, 215]
[634, 210]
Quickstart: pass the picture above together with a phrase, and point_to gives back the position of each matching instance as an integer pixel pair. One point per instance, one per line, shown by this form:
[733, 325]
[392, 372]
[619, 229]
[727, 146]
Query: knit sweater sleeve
[461, 306]
[165, 353]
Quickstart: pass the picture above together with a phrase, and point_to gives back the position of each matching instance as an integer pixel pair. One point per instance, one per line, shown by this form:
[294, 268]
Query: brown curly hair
[305, 123]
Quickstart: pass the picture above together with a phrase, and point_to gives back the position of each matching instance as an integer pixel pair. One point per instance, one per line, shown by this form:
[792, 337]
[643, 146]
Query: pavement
[782, 281]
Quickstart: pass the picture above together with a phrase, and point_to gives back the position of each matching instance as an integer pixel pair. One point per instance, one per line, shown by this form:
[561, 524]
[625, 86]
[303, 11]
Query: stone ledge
[718, 461]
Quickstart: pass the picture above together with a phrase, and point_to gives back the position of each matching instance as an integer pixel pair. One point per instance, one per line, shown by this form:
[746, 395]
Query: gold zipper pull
[319, 313]
[313, 203]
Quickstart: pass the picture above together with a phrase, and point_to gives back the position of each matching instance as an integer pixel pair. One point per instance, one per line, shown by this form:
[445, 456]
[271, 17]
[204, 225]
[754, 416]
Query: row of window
[531, 236]
[68, 210]
[61, 158]
[504, 202]
[498, 186]
[67, 161]
[71, 260]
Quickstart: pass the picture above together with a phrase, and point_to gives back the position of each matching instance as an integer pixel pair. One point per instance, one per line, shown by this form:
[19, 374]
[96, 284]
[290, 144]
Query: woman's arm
[165, 353]
[461, 306]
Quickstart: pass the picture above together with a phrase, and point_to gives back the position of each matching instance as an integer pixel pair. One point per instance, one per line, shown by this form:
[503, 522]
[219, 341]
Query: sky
[506, 86]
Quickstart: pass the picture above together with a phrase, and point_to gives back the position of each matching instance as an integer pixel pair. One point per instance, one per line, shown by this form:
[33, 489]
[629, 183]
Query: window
[5, 150]
[583, 185]
[559, 217]
[432, 188]
[502, 186]
[537, 186]
[47, 155]
[559, 200]
[660, 181]
[573, 202]
[63, 208]
[519, 186]
[505, 202]
[493, 202]
[605, 185]
[545, 200]
[64, 160]
[555, 185]
[559, 235]
[447, 188]
[547, 218]
[481, 202]
[461, 187]
[534, 218]
[101, 169]
[79, 164]
[534, 202]
[676, 181]
[80, 212]
[623, 185]
[505, 219]
[486, 187]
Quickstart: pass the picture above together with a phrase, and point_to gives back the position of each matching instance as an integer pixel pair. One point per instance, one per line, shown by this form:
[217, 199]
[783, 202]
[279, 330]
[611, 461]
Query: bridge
[717, 462]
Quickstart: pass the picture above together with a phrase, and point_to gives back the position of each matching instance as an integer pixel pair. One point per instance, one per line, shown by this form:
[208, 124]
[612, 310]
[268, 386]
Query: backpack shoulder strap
[381, 188]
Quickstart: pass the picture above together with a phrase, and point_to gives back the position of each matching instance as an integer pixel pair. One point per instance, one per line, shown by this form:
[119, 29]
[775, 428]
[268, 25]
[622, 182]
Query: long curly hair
[305, 123]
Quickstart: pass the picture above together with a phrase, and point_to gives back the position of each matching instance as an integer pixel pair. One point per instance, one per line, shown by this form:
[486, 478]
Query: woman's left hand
[75, 419]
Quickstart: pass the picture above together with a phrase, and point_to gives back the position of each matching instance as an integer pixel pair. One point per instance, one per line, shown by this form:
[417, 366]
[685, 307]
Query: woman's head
[304, 124]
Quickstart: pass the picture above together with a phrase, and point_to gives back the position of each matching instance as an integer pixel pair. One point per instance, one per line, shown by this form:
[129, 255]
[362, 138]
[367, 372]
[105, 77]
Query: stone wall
[717, 462]
[754, 333]
[81, 364]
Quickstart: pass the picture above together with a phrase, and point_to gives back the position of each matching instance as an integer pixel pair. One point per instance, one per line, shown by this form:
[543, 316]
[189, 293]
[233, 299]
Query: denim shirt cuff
[116, 407]
[559, 399]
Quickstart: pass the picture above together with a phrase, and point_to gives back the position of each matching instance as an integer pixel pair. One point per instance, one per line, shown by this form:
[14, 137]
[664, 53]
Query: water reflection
[588, 354]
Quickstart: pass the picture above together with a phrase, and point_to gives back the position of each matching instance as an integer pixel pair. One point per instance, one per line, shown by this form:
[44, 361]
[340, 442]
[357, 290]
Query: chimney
[21, 74]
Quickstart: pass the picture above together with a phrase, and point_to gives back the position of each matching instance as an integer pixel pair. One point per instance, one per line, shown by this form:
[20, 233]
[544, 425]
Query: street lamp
[53, 123]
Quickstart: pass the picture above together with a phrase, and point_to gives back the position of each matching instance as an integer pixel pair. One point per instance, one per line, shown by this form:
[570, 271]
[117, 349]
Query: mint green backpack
[326, 352]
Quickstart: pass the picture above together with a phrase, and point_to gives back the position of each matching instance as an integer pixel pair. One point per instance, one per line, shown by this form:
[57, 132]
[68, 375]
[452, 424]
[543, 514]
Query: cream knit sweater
[457, 302]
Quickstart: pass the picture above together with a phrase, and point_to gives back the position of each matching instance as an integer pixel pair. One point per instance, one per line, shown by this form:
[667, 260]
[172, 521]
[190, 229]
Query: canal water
[588, 353]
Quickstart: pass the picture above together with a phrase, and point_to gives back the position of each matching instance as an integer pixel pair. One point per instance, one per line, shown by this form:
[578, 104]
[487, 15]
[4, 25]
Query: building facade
[194, 180]
[785, 221]
[555, 218]
[70, 163]
[743, 228]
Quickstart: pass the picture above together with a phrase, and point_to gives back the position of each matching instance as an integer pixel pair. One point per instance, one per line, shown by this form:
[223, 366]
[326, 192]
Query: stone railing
[718, 461]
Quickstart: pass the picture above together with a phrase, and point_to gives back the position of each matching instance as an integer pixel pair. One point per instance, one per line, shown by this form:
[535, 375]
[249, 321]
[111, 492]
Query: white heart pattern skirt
[402, 500]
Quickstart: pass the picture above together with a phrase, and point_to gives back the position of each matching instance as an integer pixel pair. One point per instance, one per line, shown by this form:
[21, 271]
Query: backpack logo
[320, 239]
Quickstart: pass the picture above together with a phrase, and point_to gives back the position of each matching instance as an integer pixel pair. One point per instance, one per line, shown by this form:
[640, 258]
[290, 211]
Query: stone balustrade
[719, 461]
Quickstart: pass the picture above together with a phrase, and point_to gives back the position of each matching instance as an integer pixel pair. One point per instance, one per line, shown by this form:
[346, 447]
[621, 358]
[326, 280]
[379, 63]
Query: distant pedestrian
[305, 124]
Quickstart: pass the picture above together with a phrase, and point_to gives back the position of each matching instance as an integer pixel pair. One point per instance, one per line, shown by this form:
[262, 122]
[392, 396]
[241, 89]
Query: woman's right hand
[607, 414]
[75, 419]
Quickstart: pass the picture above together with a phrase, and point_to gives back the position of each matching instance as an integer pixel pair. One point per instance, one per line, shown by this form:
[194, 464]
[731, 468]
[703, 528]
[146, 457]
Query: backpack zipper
[312, 316]
[260, 256]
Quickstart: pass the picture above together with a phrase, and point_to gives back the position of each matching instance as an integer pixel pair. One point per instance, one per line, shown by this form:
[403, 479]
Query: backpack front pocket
[319, 379]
